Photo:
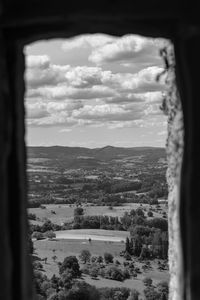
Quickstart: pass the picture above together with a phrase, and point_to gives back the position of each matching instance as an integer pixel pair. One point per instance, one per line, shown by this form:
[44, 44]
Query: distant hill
[75, 157]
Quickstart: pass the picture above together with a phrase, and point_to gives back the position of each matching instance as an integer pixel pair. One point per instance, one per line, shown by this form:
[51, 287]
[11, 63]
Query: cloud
[69, 96]
[36, 111]
[37, 61]
[87, 40]
[129, 48]
[144, 81]
[106, 113]
[40, 72]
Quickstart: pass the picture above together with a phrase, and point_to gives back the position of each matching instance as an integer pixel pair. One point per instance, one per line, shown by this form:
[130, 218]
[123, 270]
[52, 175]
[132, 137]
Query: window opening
[97, 190]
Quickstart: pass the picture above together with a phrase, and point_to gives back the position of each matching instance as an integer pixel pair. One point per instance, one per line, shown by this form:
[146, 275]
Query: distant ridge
[96, 148]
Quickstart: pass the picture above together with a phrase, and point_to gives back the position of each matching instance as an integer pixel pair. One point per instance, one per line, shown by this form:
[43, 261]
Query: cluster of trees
[132, 218]
[158, 292]
[155, 185]
[97, 222]
[117, 186]
[39, 235]
[46, 226]
[70, 286]
[147, 242]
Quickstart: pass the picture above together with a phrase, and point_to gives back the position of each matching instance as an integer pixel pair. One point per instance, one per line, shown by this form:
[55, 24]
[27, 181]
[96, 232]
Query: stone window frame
[25, 22]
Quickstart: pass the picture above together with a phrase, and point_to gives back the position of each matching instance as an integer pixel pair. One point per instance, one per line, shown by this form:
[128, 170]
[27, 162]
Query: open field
[65, 212]
[64, 248]
[93, 234]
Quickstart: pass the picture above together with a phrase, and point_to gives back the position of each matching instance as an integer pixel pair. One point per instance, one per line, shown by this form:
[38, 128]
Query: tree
[137, 245]
[144, 253]
[163, 289]
[45, 260]
[140, 212]
[37, 235]
[151, 294]
[67, 279]
[47, 226]
[108, 257]
[127, 246]
[85, 256]
[71, 263]
[54, 257]
[150, 214]
[93, 271]
[50, 234]
[78, 211]
[55, 282]
[30, 244]
[147, 281]
[99, 259]
[134, 295]
[112, 272]
[82, 291]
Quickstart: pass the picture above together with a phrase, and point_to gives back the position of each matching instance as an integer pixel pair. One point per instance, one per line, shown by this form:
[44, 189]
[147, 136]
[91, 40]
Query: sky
[95, 90]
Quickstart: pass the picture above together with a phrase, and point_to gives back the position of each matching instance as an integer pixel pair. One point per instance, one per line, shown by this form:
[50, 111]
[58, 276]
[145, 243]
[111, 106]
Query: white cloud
[87, 40]
[37, 61]
[94, 96]
[40, 72]
[129, 48]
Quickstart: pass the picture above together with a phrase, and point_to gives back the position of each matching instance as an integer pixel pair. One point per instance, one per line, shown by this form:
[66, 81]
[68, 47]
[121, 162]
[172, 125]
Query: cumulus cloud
[36, 111]
[130, 48]
[70, 96]
[87, 40]
[106, 112]
[37, 61]
[40, 72]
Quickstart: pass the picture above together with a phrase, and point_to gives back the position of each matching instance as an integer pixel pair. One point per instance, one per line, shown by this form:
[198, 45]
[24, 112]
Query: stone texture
[174, 147]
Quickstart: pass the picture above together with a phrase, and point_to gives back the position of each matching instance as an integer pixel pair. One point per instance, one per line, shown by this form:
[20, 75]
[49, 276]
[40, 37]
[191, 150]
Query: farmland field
[64, 212]
[93, 234]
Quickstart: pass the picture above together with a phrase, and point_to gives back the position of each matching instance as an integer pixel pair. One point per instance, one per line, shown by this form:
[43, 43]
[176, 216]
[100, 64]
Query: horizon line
[65, 146]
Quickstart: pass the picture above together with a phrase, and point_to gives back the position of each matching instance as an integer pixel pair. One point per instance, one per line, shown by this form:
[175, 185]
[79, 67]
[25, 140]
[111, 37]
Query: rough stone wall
[174, 146]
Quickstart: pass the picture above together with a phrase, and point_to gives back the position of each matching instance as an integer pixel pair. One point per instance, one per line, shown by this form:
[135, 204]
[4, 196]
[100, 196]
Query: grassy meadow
[65, 212]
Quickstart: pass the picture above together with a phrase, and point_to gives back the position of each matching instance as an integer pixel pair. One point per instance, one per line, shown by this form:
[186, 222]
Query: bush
[150, 214]
[108, 257]
[94, 271]
[147, 281]
[134, 295]
[85, 270]
[50, 234]
[126, 273]
[37, 235]
[114, 273]
[32, 216]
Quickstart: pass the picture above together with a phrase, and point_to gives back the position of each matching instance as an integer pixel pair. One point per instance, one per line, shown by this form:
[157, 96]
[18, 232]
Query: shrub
[108, 257]
[93, 272]
[114, 273]
[50, 234]
[37, 235]
[147, 281]
[126, 273]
